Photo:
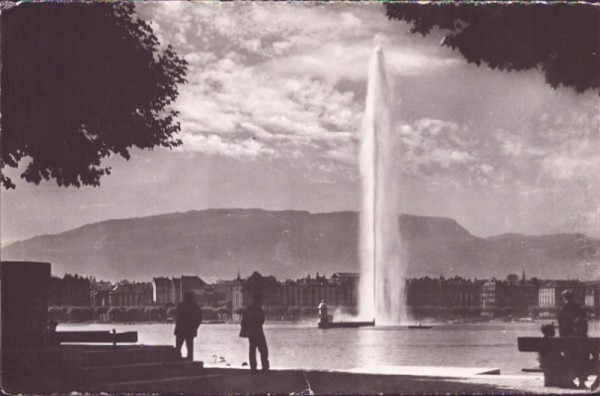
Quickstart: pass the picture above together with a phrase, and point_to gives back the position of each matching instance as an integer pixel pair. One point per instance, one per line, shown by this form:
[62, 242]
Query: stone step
[425, 371]
[120, 356]
[138, 372]
[198, 384]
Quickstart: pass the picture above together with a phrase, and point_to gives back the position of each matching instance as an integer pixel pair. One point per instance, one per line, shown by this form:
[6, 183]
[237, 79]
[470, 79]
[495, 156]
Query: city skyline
[212, 280]
[270, 117]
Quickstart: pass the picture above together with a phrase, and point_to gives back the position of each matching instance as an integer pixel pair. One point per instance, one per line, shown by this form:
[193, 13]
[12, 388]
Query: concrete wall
[24, 303]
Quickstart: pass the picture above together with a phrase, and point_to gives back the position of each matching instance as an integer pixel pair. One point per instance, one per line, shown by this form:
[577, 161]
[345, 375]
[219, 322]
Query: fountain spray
[381, 289]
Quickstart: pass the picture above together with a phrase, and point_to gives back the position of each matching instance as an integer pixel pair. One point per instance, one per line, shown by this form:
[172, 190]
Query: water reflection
[305, 346]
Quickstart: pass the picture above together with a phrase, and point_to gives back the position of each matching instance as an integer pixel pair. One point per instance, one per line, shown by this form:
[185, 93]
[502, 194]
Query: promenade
[158, 369]
[242, 381]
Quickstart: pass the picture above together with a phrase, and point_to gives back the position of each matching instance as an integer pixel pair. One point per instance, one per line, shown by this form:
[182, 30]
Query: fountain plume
[381, 290]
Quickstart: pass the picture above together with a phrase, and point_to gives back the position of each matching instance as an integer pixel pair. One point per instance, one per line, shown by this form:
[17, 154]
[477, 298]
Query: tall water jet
[381, 290]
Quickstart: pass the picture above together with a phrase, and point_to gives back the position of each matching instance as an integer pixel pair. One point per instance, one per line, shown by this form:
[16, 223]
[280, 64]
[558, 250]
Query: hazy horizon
[5, 243]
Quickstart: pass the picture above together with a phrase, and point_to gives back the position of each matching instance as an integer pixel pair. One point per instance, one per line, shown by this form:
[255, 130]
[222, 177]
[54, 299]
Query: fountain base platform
[344, 325]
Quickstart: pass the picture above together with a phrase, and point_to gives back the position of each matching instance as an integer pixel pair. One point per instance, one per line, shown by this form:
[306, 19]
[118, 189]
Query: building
[488, 298]
[549, 295]
[222, 289]
[348, 287]
[100, 298]
[243, 290]
[70, 290]
[338, 291]
[592, 298]
[188, 284]
[424, 292]
[208, 297]
[100, 293]
[170, 291]
[443, 298]
[162, 290]
[507, 298]
[131, 294]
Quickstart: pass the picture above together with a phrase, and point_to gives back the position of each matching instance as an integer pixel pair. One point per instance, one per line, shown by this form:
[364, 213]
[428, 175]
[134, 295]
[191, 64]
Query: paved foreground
[288, 382]
[160, 369]
[329, 382]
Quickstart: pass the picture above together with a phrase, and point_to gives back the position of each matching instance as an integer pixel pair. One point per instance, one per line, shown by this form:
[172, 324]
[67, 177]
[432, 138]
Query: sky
[271, 113]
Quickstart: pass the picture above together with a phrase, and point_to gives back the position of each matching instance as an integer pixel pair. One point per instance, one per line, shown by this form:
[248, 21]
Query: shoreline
[314, 322]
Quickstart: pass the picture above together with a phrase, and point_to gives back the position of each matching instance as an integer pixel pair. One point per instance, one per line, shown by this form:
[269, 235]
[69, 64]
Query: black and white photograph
[299, 198]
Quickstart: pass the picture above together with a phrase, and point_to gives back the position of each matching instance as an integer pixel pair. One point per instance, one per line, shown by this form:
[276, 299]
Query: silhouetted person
[323, 315]
[252, 328]
[548, 330]
[581, 360]
[568, 314]
[551, 361]
[189, 317]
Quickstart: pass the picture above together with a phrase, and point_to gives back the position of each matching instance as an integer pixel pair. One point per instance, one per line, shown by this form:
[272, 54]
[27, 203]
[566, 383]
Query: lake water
[307, 347]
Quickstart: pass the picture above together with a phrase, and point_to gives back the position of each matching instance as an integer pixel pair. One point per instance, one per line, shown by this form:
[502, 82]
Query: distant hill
[219, 242]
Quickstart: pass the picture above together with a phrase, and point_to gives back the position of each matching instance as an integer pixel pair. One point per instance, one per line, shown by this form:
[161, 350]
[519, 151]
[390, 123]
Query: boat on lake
[419, 326]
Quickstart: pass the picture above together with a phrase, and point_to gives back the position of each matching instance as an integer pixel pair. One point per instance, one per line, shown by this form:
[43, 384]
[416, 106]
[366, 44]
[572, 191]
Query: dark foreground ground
[159, 369]
[325, 382]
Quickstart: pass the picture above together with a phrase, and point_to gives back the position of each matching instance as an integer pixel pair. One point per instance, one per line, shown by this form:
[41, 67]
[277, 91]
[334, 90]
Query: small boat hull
[412, 327]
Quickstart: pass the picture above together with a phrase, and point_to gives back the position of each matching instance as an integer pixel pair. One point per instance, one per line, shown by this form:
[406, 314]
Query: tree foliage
[562, 40]
[81, 82]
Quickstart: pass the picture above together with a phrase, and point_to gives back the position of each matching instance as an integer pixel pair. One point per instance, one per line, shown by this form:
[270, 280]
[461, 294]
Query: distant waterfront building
[547, 296]
[508, 297]
[592, 298]
[550, 292]
[162, 290]
[424, 292]
[461, 293]
[70, 290]
[188, 284]
[340, 290]
[100, 293]
[242, 291]
[443, 298]
[131, 294]
[348, 288]
[171, 291]
[223, 289]
[100, 298]
[488, 298]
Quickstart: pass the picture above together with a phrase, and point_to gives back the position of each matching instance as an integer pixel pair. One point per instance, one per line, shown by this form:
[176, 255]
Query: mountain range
[219, 243]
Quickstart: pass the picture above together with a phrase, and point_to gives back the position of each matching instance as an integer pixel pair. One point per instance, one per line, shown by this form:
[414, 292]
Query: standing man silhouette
[189, 317]
[568, 314]
[252, 322]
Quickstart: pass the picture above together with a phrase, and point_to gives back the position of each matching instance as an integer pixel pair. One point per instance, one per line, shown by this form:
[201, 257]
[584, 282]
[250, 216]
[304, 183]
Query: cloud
[271, 71]
[229, 98]
[430, 144]
[217, 145]
[555, 146]
[517, 148]
[581, 162]
[336, 61]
